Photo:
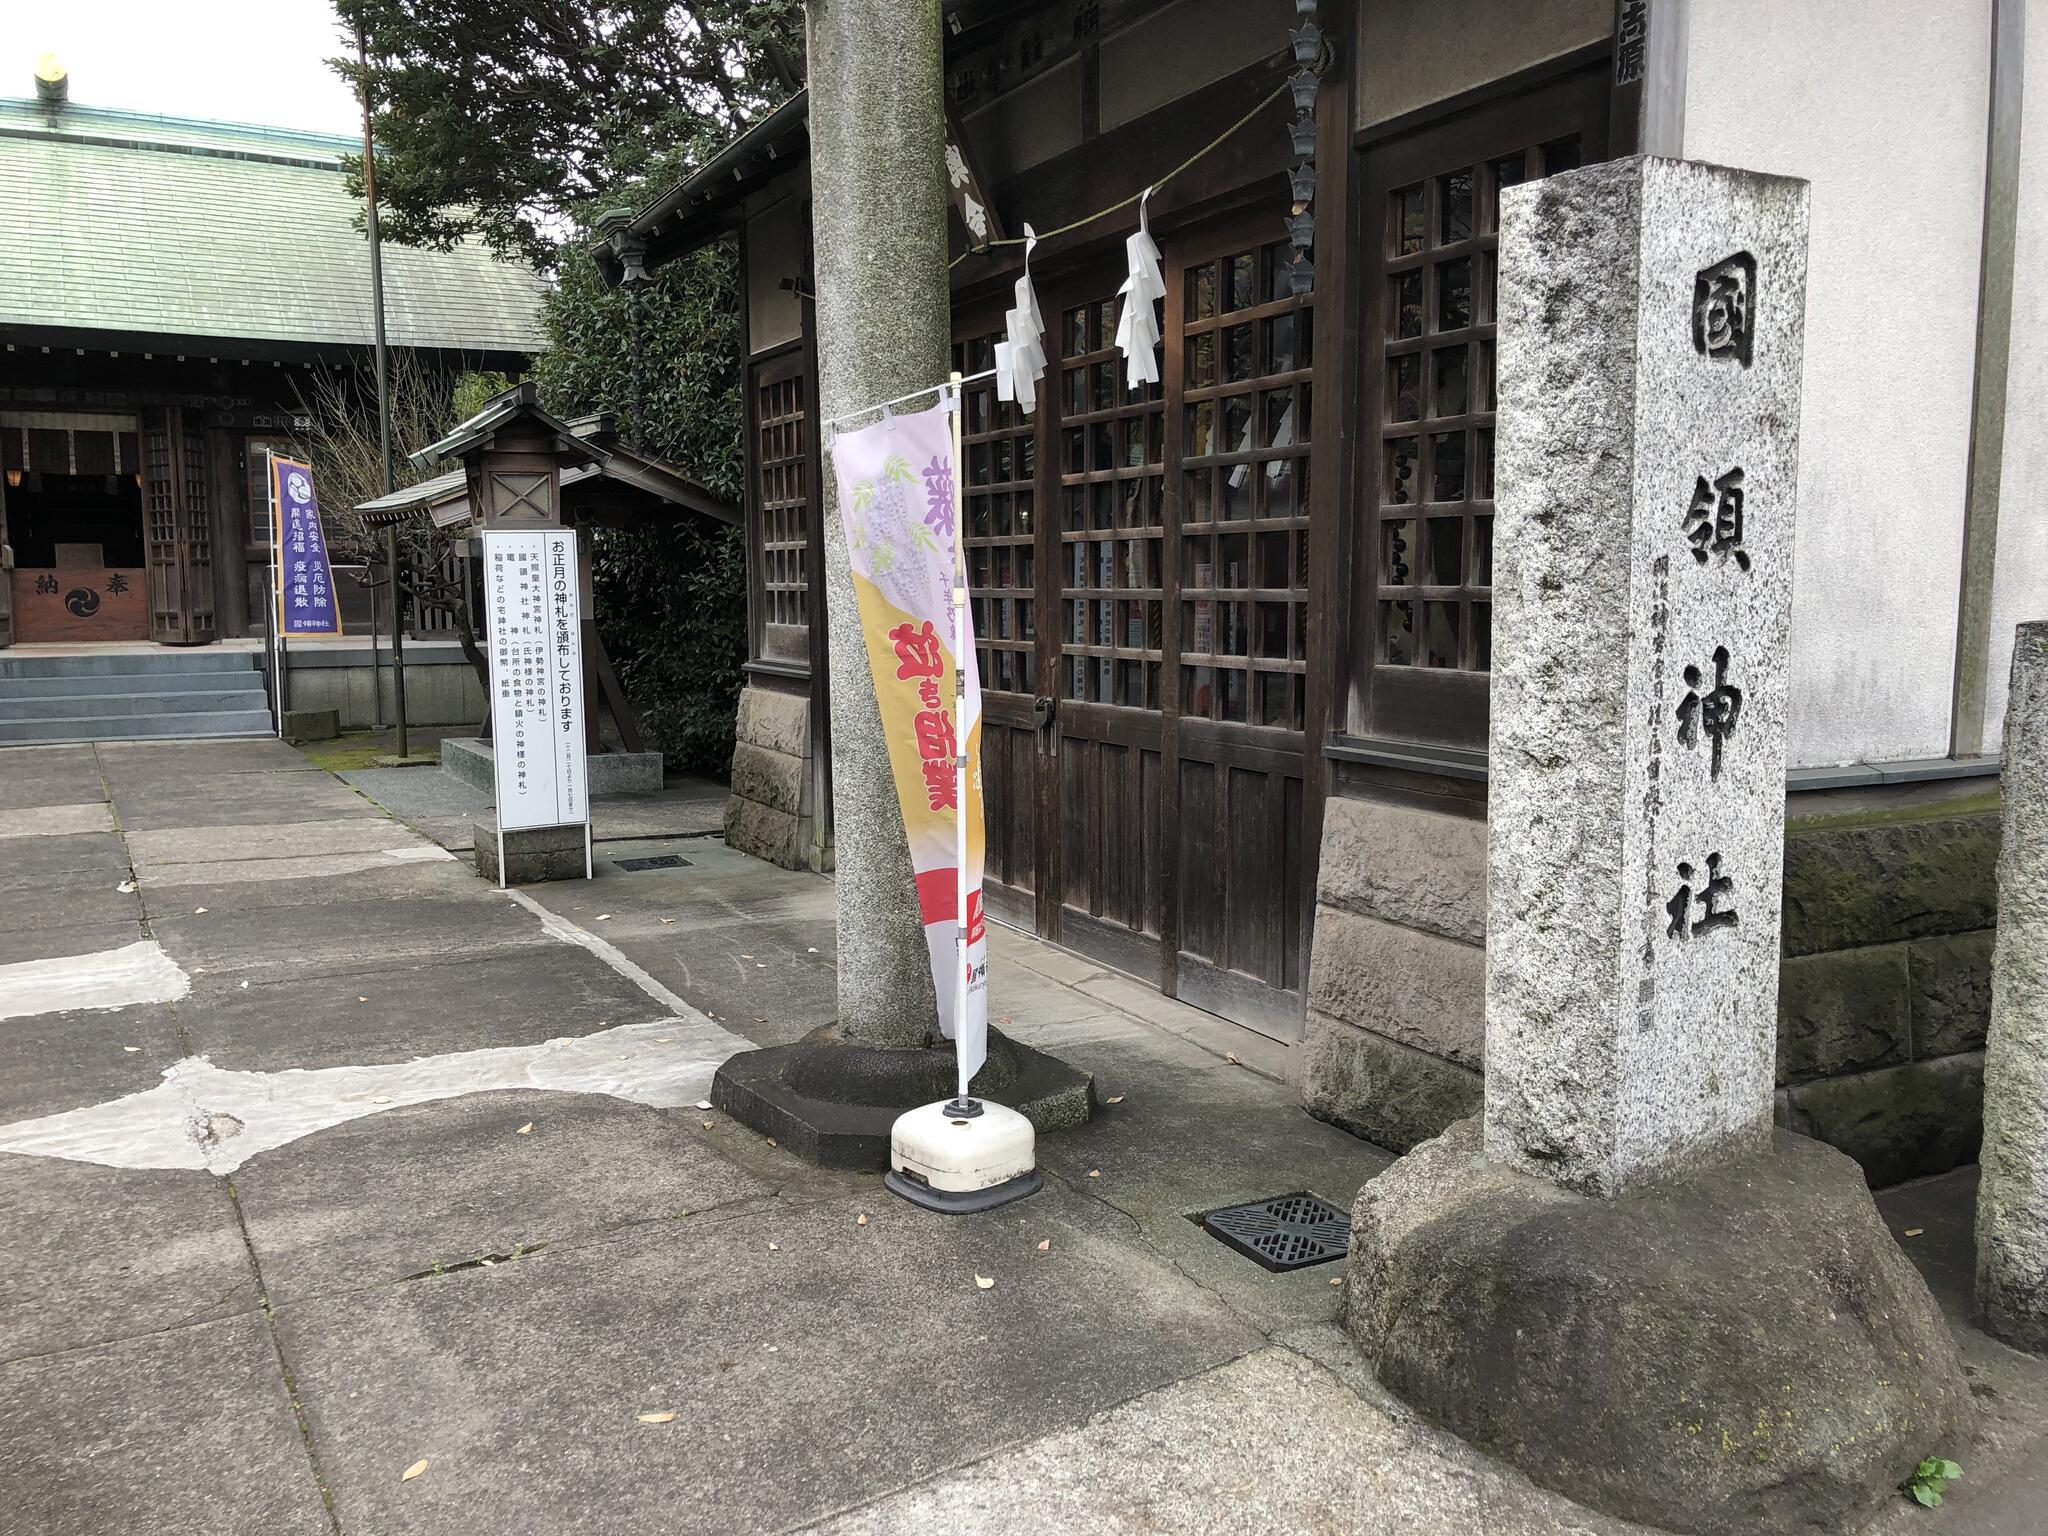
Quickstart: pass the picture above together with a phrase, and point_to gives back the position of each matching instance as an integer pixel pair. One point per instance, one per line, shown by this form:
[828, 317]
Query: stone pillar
[878, 211]
[1651, 324]
[2012, 1202]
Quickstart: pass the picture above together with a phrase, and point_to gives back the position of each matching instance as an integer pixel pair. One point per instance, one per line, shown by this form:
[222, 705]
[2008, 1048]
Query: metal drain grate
[1285, 1232]
[656, 861]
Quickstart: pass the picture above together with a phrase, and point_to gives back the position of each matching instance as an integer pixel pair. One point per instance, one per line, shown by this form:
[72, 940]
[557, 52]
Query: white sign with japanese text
[536, 648]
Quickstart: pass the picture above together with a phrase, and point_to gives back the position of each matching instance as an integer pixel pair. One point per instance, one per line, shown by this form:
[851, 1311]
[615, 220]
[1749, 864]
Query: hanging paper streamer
[1020, 361]
[1137, 333]
[898, 501]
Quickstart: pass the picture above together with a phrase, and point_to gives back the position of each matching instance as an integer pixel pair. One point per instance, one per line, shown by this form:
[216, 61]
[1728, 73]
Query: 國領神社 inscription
[1724, 308]
[1713, 520]
[1641, 617]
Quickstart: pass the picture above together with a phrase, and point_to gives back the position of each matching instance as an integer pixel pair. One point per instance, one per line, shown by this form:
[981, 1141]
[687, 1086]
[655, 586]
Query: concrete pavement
[427, 1182]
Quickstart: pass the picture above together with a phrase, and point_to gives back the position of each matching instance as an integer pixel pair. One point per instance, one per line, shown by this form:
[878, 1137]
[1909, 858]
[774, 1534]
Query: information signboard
[536, 650]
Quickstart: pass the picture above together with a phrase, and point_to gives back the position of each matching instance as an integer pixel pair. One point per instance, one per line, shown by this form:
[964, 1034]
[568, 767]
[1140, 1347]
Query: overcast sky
[244, 61]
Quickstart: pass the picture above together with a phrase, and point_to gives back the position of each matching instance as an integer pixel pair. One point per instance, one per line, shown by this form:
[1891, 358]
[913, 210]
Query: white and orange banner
[900, 506]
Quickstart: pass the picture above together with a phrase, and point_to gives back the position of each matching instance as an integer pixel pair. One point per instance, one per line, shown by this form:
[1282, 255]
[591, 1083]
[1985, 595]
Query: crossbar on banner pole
[953, 382]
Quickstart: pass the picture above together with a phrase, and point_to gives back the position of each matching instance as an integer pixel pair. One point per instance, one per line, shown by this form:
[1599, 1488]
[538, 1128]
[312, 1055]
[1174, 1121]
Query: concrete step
[126, 664]
[182, 701]
[89, 683]
[225, 722]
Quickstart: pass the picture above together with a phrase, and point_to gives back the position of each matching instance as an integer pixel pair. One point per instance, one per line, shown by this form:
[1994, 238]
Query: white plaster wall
[1882, 105]
[2019, 588]
[775, 244]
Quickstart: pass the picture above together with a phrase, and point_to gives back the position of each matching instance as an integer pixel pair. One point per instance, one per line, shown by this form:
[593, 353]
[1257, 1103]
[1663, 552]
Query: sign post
[536, 652]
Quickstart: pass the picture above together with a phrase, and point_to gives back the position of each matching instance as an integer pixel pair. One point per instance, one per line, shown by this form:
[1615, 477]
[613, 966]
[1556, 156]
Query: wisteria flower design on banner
[903, 560]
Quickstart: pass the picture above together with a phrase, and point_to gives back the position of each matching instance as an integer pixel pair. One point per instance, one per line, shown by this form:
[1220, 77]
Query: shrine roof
[139, 225]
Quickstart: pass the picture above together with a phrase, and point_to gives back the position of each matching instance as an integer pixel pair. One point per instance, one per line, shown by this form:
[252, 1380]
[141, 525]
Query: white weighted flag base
[962, 1155]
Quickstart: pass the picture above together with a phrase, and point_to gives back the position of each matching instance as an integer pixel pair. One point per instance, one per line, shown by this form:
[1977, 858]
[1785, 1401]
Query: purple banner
[305, 580]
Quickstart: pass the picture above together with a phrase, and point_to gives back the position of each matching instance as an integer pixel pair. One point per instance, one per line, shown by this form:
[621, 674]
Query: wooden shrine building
[167, 290]
[1235, 629]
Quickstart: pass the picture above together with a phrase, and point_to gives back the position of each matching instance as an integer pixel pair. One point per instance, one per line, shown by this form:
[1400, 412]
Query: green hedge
[671, 600]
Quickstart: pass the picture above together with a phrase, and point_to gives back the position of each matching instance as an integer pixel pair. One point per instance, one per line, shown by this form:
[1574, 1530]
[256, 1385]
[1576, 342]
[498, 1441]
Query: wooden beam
[1647, 111]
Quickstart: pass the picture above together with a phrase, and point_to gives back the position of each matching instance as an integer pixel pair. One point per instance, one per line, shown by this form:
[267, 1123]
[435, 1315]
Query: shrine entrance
[72, 515]
[1138, 558]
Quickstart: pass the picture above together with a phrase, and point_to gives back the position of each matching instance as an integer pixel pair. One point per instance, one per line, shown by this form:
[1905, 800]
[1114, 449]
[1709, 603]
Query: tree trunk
[884, 327]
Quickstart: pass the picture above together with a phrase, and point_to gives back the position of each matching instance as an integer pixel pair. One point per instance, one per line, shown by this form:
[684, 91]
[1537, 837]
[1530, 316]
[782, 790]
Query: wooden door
[178, 509]
[1239, 414]
[1111, 674]
[1429, 238]
[1000, 491]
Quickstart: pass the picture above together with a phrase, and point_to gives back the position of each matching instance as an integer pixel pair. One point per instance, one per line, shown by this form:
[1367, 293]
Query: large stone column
[878, 216]
[2012, 1203]
[1624, 1280]
[1651, 324]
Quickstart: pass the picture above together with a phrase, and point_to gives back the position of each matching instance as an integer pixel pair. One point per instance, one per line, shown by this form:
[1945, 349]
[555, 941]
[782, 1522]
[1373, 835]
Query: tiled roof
[164, 226]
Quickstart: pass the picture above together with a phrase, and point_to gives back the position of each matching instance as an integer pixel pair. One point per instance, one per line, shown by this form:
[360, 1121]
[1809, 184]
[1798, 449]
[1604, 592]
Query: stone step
[224, 722]
[91, 683]
[180, 701]
[126, 664]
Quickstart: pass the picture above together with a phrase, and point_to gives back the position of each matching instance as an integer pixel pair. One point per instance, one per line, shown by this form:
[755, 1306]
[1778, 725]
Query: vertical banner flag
[305, 580]
[898, 504]
[536, 645]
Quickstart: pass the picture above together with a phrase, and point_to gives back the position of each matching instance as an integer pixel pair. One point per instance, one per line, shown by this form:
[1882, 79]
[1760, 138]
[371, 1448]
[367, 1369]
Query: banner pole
[960, 745]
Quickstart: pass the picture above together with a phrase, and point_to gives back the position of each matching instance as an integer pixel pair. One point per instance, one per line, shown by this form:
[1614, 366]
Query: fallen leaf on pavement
[125, 887]
[1046, 1246]
[775, 1247]
[604, 917]
[524, 1129]
[1115, 1098]
[746, 957]
[984, 1282]
[662, 1039]
[1914, 1231]
[708, 1124]
[245, 986]
[861, 1220]
[1338, 1281]
[1232, 1059]
[771, 1141]
[1094, 1173]
[703, 1103]
[656, 1418]
[362, 999]
[196, 911]
[666, 920]
[413, 1471]
[131, 1047]
[812, 950]
[381, 1099]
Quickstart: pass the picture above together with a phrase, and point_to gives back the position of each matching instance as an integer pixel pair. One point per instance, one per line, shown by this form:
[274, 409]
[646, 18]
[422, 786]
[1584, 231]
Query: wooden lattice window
[1001, 448]
[1112, 518]
[782, 502]
[1434, 567]
[161, 491]
[198, 510]
[1244, 492]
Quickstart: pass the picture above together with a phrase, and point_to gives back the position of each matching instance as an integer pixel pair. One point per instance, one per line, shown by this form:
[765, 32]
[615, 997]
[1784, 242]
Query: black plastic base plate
[964, 1202]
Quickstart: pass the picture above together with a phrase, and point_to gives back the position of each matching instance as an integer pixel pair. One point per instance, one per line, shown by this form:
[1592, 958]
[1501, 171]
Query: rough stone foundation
[1742, 1349]
[769, 814]
[1884, 992]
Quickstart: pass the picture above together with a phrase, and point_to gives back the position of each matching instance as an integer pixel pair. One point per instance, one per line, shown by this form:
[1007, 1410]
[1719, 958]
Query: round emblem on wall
[82, 601]
[298, 487]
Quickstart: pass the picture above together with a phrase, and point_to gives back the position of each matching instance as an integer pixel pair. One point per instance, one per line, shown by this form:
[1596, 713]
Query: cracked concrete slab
[183, 1432]
[837, 1364]
[1272, 1442]
[379, 1199]
[77, 861]
[53, 1062]
[89, 1254]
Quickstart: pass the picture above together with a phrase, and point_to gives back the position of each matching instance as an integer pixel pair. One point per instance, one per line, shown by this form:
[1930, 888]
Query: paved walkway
[320, 1160]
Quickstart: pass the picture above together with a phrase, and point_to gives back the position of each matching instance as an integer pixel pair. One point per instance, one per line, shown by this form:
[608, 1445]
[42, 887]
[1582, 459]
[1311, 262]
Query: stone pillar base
[1740, 1349]
[532, 854]
[831, 1101]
